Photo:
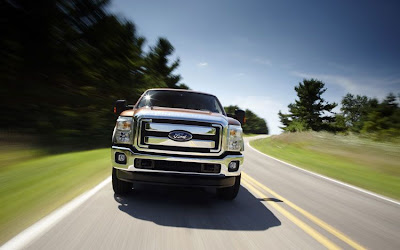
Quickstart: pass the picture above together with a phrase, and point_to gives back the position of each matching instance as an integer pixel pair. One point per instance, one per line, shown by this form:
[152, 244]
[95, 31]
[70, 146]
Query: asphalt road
[278, 207]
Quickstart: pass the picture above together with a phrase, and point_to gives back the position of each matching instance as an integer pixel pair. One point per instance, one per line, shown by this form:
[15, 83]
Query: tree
[310, 110]
[158, 69]
[340, 123]
[355, 110]
[65, 62]
[254, 124]
[383, 121]
[368, 116]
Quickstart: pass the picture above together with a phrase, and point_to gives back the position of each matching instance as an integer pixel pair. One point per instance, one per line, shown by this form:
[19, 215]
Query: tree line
[359, 114]
[254, 124]
[65, 62]
[365, 115]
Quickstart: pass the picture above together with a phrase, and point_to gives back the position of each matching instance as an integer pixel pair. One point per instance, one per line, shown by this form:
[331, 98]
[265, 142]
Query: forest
[65, 62]
[254, 124]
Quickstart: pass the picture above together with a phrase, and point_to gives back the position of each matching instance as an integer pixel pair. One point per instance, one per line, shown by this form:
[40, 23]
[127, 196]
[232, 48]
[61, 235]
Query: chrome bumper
[131, 156]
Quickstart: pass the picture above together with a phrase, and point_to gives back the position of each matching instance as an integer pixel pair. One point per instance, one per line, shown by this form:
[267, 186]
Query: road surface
[278, 207]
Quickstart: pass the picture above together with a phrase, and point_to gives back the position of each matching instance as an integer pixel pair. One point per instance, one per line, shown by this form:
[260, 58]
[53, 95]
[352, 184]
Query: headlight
[235, 138]
[123, 130]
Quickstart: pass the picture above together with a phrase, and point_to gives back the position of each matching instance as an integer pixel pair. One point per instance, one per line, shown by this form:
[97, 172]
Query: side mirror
[240, 115]
[120, 105]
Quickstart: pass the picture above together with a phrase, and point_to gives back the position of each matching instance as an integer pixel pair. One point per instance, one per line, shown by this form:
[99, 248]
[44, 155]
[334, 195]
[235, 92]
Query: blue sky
[253, 53]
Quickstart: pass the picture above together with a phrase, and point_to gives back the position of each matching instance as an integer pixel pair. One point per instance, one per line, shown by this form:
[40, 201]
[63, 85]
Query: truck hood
[180, 114]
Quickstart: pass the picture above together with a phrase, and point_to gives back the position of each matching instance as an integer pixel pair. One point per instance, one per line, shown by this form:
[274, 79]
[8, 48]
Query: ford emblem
[178, 135]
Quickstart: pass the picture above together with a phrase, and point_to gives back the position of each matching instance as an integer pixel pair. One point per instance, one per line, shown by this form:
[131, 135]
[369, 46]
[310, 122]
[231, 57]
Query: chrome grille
[153, 136]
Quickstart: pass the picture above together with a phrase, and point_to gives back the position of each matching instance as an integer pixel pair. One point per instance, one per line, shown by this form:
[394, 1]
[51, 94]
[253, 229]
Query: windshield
[180, 99]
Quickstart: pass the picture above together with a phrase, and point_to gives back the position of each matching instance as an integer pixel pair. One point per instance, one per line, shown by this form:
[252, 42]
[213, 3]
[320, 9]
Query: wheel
[229, 193]
[120, 187]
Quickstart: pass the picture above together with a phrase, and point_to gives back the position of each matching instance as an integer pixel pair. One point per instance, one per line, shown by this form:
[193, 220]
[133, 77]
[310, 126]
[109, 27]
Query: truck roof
[182, 90]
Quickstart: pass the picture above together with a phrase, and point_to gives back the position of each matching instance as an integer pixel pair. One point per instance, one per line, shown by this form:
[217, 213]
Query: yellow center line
[306, 228]
[311, 217]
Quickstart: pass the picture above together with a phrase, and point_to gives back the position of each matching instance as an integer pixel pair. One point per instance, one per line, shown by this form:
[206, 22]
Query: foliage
[339, 124]
[309, 111]
[64, 63]
[254, 124]
[296, 126]
[383, 122]
[355, 109]
[156, 63]
[368, 116]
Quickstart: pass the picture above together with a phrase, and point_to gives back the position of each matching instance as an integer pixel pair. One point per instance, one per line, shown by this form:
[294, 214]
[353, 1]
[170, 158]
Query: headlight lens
[123, 130]
[235, 138]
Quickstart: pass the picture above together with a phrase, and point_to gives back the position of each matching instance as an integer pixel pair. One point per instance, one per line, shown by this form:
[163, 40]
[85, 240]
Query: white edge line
[28, 235]
[328, 178]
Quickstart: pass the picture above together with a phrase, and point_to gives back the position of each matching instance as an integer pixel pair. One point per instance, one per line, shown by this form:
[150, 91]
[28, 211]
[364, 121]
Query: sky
[253, 53]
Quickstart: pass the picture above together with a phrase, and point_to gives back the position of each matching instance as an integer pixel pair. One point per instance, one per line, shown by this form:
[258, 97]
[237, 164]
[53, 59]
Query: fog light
[233, 166]
[120, 158]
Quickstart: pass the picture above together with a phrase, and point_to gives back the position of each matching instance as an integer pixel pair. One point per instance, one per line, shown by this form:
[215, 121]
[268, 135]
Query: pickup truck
[177, 137]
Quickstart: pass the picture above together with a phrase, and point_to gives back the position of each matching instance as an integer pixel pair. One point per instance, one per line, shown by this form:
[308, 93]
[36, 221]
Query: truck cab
[177, 137]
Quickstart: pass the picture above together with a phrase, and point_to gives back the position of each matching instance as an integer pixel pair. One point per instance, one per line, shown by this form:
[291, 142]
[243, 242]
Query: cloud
[239, 74]
[346, 83]
[202, 64]
[374, 87]
[265, 107]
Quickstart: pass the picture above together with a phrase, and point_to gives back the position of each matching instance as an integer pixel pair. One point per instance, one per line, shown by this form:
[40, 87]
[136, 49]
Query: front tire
[120, 187]
[229, 193]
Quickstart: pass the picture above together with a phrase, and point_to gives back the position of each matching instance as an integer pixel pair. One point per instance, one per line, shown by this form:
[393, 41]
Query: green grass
[32, 188]
[11, 154]
[364, 163]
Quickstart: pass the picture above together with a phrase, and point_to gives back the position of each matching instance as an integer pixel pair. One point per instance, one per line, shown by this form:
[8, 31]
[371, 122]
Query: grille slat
[199, 140]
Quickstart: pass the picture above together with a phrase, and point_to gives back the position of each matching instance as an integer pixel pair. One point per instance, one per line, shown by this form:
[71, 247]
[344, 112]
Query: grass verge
[33, 188]
[364, 163]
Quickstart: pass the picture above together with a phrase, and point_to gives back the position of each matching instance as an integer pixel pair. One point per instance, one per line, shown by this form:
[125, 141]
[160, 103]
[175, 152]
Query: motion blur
[64, 63]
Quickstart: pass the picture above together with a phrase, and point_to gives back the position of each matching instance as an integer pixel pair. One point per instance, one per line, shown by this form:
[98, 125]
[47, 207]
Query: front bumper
[176, 179]
[128, 172]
